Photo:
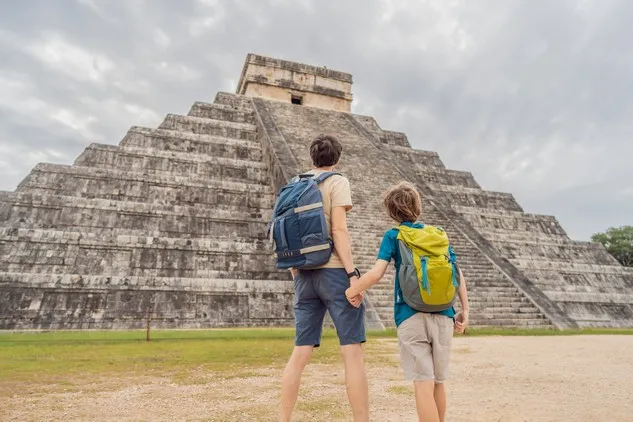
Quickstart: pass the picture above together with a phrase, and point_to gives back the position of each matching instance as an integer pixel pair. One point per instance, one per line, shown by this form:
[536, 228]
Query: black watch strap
[355, 273]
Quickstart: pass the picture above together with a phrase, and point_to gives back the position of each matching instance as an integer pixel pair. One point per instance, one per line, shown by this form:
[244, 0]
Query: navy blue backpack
[298, 227]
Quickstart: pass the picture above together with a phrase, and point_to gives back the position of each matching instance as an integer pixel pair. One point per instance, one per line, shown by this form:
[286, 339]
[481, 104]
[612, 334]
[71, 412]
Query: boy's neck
[324, 168]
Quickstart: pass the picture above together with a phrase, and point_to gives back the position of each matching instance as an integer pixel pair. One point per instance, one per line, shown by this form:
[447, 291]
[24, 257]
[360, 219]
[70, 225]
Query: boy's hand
[354, 298]
[293, 272]
[461, 322]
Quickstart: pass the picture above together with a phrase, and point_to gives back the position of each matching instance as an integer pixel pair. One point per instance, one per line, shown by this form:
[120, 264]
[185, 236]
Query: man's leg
[350, 328]
[439, 394]
[309, 314]
[424, 401]
[356, 381]
[291, 380]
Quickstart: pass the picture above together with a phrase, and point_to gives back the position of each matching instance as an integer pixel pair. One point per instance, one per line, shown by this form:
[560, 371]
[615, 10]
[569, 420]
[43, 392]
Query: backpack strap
[323, 176]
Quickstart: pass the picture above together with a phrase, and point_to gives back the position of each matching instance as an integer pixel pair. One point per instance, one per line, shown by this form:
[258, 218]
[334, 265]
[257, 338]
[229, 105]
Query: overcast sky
[534, 97]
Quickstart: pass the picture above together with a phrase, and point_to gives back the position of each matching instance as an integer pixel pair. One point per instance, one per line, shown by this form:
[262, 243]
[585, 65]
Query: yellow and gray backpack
[428, 274]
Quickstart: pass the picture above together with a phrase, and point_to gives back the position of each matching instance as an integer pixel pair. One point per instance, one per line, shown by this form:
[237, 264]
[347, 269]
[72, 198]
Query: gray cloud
[533, 97]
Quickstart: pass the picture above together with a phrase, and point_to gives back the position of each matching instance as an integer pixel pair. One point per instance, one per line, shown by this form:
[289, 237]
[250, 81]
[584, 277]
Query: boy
[424, 339]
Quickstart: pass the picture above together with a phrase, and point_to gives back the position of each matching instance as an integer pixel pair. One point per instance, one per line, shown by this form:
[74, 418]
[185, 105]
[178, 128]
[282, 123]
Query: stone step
[237, 102]
[475, 197]
[25, 210]
[113, 283]
[567, 267]
[158, 188]
[488, 282]
[60, 252]
[419, 158]
[509, 323]
[204, 126]
[484, 316]
[510, 236]
[591, 298]
[222, 112]
[80, 301]
[191, 143]
[554, 279]
[571, 251]
[173, 163]
[392, 138]
[441, 176]
[516, 222]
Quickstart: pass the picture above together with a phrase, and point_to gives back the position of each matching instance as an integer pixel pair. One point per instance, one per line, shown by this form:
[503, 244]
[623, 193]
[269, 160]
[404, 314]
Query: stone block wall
[170, 224]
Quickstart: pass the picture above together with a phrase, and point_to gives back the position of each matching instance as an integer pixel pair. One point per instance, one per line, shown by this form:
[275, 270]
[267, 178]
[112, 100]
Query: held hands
[461, 322]
[352, 296]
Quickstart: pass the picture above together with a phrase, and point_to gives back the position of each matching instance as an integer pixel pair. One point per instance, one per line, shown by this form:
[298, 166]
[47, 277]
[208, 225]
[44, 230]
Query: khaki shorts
[425, 346]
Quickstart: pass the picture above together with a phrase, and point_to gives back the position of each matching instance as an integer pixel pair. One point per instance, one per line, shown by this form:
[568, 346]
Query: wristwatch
[355, 273]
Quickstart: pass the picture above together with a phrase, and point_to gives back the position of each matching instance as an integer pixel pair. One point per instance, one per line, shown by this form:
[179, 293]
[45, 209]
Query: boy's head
[325, 151]
[403, 202]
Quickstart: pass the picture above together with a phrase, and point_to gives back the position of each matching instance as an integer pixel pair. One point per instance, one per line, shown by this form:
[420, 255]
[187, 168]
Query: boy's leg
[350, 327]
[439, 394]
[425, 402]
[291, 380]
[442, 334]
[416, 340]
[309, 314]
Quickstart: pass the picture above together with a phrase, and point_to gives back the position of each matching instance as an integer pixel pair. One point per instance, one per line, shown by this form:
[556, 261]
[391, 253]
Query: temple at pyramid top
[295, 83]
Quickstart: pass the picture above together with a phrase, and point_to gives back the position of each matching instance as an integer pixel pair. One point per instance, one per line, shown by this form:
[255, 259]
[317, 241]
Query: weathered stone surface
[153, 161]
[440, 176]
[221, 112]
[172, 223]
[72, 302]
[203, 126]
[282, 81]
[158, 188]
[185, 142]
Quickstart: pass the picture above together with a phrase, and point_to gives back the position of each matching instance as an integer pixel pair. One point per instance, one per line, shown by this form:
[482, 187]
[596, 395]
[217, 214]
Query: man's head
[403, 202]
[325, 151]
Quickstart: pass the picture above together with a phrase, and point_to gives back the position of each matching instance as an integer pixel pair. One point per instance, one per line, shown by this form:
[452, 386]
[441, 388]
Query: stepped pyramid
[171, 224]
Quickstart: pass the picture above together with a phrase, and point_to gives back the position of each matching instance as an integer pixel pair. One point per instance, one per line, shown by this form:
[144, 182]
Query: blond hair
[403, 202]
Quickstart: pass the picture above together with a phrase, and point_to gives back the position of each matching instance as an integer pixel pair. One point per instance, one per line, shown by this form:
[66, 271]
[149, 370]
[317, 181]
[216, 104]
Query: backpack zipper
[425, 277]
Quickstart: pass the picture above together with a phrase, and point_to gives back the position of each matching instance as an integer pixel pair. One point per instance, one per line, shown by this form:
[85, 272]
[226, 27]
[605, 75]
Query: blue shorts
[324, 289]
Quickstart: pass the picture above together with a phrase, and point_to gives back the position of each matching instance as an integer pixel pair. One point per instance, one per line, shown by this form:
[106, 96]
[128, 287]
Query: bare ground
[576, 378]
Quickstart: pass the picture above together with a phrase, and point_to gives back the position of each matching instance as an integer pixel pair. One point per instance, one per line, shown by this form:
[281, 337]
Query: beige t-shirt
[336, 193]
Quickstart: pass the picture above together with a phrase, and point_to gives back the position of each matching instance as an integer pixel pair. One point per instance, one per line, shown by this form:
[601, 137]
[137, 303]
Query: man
[321, 289]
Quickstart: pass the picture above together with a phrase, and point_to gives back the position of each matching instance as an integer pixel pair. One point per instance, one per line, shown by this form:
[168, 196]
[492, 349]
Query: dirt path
[583, 378]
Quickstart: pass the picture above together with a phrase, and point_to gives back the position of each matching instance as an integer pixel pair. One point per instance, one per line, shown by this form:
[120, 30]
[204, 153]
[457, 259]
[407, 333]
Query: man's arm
[343, 247]
[340, 236]
[461, 319]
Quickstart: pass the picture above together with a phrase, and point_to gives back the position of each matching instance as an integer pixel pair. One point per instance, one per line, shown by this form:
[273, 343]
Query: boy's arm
[367, 280]
[461, 320]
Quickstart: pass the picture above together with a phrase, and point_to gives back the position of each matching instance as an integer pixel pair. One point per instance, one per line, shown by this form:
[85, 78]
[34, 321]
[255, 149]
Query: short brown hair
[325, 151]
[403, 202]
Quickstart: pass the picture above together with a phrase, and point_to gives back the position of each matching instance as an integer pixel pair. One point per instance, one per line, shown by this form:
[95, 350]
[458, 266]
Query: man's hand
[461, 322]
[293, 272]
[352, 296]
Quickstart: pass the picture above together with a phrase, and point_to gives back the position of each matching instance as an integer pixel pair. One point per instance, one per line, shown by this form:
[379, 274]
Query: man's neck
[324, 168]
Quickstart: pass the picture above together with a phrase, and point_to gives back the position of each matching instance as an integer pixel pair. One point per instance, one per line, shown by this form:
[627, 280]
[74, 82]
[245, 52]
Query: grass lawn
[39, 357]
[42, 356]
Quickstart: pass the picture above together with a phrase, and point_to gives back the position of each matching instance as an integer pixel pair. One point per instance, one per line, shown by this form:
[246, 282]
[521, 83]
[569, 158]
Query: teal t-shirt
[389, 250]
